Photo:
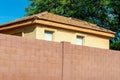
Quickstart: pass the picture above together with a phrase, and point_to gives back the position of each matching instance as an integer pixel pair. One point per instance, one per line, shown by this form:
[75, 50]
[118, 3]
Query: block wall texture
[31, 59]
[85, 63]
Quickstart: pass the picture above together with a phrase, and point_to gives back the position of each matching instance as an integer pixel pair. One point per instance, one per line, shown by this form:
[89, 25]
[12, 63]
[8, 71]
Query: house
[48, 26]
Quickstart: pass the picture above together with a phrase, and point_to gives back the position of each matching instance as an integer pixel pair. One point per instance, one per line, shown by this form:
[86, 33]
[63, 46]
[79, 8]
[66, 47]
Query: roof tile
[63, 20]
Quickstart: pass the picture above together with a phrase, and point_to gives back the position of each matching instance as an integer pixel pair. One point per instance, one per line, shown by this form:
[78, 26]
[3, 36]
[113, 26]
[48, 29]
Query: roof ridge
[61, 19]
[42, 15]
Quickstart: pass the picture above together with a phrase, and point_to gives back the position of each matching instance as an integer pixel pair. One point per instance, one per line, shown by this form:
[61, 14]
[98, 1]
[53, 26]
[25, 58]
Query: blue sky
[12, 9]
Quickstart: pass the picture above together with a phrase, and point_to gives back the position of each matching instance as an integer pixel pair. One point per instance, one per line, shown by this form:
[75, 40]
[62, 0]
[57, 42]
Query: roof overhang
[35, 20]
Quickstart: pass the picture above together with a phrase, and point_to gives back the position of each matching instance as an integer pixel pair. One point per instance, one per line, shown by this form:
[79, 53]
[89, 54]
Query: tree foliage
[115, 45]
[104, 13]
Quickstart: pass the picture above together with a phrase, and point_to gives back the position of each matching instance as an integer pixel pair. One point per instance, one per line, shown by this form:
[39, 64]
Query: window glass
[48, 35]
[79, 40]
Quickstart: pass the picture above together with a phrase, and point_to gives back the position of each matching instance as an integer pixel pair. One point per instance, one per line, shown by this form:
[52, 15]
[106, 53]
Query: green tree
[104, 13]
[115, 18]
[115, 45]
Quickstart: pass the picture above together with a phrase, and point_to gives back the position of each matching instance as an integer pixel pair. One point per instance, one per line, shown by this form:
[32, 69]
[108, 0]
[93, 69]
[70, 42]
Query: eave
[35, 20]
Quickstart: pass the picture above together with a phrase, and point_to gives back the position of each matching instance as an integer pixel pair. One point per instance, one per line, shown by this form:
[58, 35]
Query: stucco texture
[70, 36]
[59, 35]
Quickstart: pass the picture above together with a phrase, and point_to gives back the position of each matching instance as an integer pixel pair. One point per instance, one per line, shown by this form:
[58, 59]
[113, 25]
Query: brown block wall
[30, 59]
[85, 63]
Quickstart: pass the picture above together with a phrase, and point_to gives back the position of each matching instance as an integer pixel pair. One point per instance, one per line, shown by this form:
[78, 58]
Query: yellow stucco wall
[95, 41]
[27, 31]
[30, 32]
[58, 35]
[70, 36]
[37, 32]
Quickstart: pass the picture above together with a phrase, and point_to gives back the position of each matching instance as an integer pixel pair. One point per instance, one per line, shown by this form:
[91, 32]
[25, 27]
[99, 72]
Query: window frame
[78, 36]
[49, 31]
[83, 37]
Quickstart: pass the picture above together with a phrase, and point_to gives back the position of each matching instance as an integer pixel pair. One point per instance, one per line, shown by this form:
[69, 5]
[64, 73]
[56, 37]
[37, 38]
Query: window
[79, 40]
[48, 35]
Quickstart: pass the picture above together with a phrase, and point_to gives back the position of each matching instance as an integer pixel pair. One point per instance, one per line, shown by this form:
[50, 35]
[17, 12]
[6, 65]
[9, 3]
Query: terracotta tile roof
[63, 20]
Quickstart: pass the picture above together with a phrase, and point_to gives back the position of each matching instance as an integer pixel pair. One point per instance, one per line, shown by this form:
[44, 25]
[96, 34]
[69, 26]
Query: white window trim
[78, 38]
[50, 30]
[80, 35]
[46, 31]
